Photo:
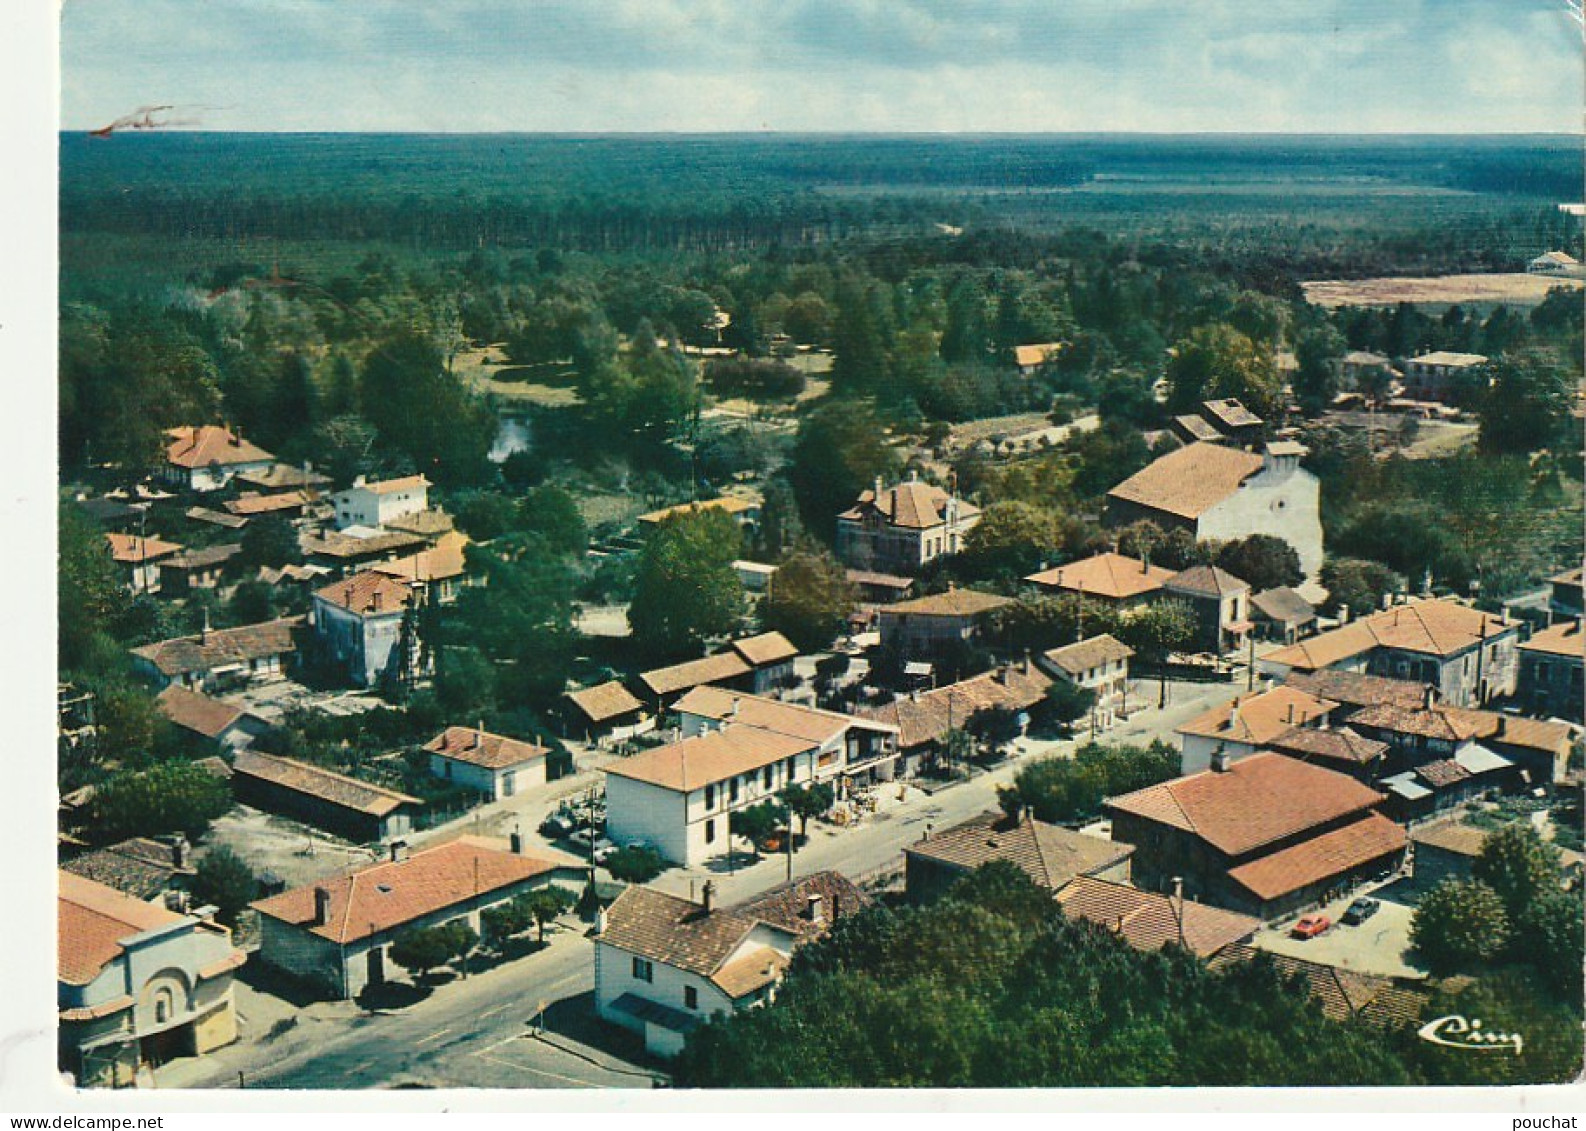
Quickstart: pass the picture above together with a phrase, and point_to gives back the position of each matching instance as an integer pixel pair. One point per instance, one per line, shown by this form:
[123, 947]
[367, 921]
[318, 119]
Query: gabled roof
[1563, 639]
[764, 650]
[1344, 995]
[1440, 627]
[605, 701]
[253, 504]
[1330, 744]
[130, 549]
[692, 673]
[927, 716]
[1197, 428]
[1498, 729]
[481, 748]
[787, 905]
[446, 559]
[706, 759]
[1049, 854]
[284, 476]
[198, 713]
[367, 592]
[221, 646]
[1190, 481]
[1562, 258]
[205, 558]
[93, 919]
[384, 896]
[727, 504]
[1076, 659]
[1037, 353]
[1108, 575]
[341, 544]
[1206, 581]
[1282, 605]
[1149, 921]
[210, 445]
[317, 782]
[427, 523]
[1357, 689]
[911, 505]
[953, 603]
[1231, 413]
[1255, 801]
[1260, 717]
[216, 518]
[1310, 862]
[1449, 358]
[1423, 722]
[139, 867]
[683, 935]
[809, 723]
[389, 486]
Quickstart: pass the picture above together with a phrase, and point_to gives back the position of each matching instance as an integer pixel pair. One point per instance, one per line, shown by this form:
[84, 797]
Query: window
[789, 765]
[710, 832]
[162, 1005]
[710, 797]
[766, 778]
[691, 997]
[732, 792]
[643, 970]
[448, 766]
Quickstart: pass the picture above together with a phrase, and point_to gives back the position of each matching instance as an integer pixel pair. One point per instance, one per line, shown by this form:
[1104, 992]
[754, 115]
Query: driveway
[1380, 945]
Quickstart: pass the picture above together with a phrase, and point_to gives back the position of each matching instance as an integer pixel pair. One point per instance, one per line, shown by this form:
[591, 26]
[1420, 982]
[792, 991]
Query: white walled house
[1223, 494]
[137, 984]
[902, 528]
[1099, 665]
[664, 965]
[375, 504]
[677, 798]
[209, 457]
[358, 624]
[1249, 725]
[493, 764]
[219, 658]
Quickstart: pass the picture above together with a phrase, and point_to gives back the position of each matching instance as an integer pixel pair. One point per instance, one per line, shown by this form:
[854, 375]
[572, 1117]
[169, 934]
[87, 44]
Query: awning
[654, 1013]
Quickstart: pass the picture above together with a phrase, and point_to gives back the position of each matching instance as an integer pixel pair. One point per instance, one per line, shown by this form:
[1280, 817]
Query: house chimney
[878, 488]
[1428, 698]
[812, 909]
[479, 733]
[708, 893]
[203, 636]
[516, 841]
[1220, 760]
[399, 851]
[375, 597]
[600, 920]
[179, 849]
[1503, 727]
[732, 712]
[321, 906]
[1026, 661]
[837, 907]
[1233, 717]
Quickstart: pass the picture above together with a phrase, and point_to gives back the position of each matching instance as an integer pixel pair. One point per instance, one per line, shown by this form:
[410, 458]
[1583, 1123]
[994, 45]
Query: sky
[1155, 66]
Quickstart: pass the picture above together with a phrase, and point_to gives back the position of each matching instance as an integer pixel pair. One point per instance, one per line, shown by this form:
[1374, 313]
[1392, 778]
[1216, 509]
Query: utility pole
[1250, 675]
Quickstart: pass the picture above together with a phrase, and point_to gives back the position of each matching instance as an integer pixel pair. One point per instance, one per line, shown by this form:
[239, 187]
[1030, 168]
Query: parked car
[1310, 926]
[1360, 910]
[556, 826]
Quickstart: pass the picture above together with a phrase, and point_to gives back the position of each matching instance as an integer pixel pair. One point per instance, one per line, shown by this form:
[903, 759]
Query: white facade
[1109, 681]
[494, 784]
[1282, 499]
[375, 504]
[1198, 750]
[362, 644]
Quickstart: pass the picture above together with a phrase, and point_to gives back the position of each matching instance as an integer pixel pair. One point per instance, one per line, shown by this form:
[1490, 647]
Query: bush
[1067, 790]
[1459, 925]
[636, 864]
[168, 798]
[225, 880]
[756, 380]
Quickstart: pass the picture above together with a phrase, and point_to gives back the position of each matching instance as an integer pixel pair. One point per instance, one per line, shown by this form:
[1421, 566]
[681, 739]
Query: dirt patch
[1515, 289]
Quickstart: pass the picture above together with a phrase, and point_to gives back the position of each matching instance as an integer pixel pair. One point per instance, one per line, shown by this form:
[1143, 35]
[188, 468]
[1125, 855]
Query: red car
[1310, 926]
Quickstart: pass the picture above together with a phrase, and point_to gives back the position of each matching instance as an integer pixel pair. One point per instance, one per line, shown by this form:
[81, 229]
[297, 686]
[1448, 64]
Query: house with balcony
[902, 528]
[1099, 665]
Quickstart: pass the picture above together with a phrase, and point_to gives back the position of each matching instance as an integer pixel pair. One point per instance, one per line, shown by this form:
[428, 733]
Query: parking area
[1380, 945]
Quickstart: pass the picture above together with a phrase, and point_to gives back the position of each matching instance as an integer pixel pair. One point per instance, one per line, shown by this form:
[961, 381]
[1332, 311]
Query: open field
[1514, 289]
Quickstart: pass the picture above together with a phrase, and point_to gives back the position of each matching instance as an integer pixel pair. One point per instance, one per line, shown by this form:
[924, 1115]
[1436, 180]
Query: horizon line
[822, 133]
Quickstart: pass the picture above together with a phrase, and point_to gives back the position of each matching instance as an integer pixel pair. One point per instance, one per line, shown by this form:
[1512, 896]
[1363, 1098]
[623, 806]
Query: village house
[1560, 263]
[1030, 358]
[221, 658]
[138, 985]
[1470, 656]
[441, 569]
[901, 529]
[1236, 423]
[216, 518]
[431, 525]
[1353, 690]
[1222, 494]
[1344, 995]
[192, 570]
[1220, 603]
[744, 511]
[211, 720]
[493, 764]
[1442, 784]
[930, 625]
[358, 624]
[607, 710]
[925, 718]
[1432, 731]
[879, 588]
[209, 457]
[347, 550]
[1248, 725]
[1149, 920]
[1193, 428]
[1551, 675]
[1358, 365]
[1100, 665]
[281, 477]
[1282, 615]
[376, 503]
[252, 504]
[138, 560]
[770, 657]
[335, 933]
[147, 870]
[1431, 376]
[358, 810]
[665, 965]
[1264, 836]
[1049, 854]
[676, 798]
[1448, 850]
[851, 750]
[756, 663]
[1108, 578]
[755, 577]
[1565, 598]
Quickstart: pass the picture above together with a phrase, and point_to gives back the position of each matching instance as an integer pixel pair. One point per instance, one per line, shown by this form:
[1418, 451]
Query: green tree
[505, 920]
[1550, 934]
[1218, 361]
[423, 412]
[635, 864]
[1525, 405]
[270, 540]
[809, 600]
[1318, 351]
[756, 822]
[1459, 925]
[1011, 540]
[686, 591]
[421, 949]
[1264, 560]
[89, 597]
[1357, 584]
[812, 800]
[1066, 703]
[841, 450]
[1517, 864]
[224, 880]
[166, 798]
[521, 616]
[546, 905]
[1062, 790]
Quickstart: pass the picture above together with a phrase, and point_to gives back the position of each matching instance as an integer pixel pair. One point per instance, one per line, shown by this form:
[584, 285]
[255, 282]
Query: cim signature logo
[1455, 1032]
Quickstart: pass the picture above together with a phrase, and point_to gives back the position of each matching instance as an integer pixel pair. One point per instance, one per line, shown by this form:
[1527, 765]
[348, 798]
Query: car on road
[1360, 910]
[556, 826]
[1310, 926]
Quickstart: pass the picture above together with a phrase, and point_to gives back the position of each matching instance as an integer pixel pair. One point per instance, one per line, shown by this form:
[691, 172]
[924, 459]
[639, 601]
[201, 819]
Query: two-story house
[1431, 376]
[1100, 665]
[1220, 603]
[938, 622]
[1108, 578]
[902, 528]
[358, 625]
[1551, 672]
[208, 457]
[1248, 725]
[373, 504]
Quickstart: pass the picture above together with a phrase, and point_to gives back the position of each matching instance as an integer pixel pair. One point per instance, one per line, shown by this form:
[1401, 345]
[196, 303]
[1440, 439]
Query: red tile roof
[764, 650]
[197, 713]
[221, 646]
[911, 505]
[692, 673]
[93, 919]
[210, 445]
[1258, 718]
[953, 603]
[317, 782]
[1563, 639]
[1441, 627]
[605, 701]
[683, 935]
[706, 759]
[481, 748]
[1049, 854]
[1109, 576]
[251, 504]
[809, 723]
[1190, 481]
[130, 549]
[1255, 801]
[366, 593]
[1149, 921]
[385, 896]
[1334, 853]
[927, 716]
